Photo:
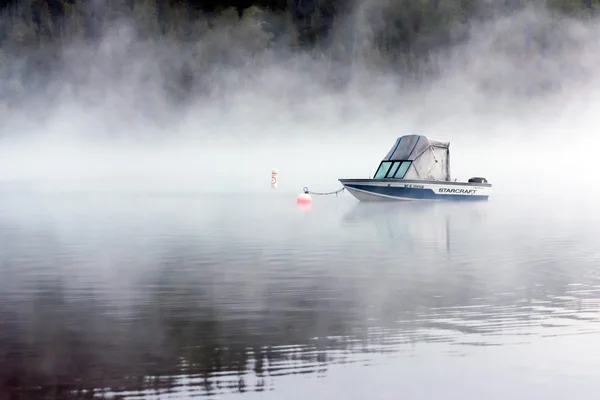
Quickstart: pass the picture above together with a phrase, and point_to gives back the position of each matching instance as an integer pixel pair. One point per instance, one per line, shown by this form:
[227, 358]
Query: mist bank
[145, 91]
[182, 52]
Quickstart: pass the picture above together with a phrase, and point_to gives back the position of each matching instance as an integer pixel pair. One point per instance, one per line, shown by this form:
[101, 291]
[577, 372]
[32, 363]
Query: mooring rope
[323, 194]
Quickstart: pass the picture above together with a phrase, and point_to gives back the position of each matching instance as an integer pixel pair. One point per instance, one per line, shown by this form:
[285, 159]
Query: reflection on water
[146, 295]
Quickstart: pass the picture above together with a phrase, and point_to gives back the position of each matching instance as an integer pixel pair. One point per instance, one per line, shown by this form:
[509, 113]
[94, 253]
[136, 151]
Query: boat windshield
[384, 167]
[392, 169]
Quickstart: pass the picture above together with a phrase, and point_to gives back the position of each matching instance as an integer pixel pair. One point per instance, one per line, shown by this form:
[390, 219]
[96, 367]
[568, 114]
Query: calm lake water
[148, 295]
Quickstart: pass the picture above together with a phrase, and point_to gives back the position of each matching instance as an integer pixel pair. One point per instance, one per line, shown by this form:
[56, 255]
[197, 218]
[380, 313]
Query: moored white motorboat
[417, 168]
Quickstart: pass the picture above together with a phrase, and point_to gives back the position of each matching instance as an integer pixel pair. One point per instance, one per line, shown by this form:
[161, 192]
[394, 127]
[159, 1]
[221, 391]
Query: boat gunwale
[411, 181]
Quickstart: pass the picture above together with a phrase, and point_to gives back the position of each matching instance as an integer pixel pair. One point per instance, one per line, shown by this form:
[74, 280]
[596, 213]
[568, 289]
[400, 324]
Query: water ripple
[225, 300]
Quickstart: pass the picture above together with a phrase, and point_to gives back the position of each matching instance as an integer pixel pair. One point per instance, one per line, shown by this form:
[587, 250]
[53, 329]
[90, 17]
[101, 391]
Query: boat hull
[413, 190]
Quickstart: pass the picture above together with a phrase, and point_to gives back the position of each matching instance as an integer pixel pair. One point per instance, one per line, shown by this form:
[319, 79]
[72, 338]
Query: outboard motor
[477, 180]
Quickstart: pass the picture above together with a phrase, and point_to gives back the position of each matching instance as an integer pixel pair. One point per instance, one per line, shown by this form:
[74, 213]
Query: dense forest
[398, 35]
[399, 26]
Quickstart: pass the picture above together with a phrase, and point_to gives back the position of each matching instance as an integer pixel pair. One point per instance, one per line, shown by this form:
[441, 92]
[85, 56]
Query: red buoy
[304, 198]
